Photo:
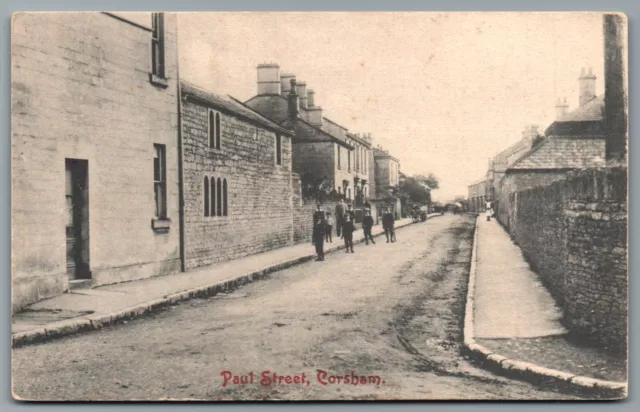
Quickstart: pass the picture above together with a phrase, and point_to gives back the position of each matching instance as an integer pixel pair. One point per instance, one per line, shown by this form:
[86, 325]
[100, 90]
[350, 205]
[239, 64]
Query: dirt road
[387, 317]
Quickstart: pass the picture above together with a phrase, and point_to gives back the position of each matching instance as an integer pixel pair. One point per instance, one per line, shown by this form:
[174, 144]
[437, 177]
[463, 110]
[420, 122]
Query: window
[224, 194]
[219, 198]
[157, 45]
[206, 196]
[160, 180]
[278, 149]
[214, 130]
[349, 160]
[339, 162]
[339, 190]
[349, 197]
[213, 197]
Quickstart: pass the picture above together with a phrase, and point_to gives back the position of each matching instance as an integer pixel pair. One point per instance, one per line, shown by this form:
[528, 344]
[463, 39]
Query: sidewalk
[86, 309]
[513, 322]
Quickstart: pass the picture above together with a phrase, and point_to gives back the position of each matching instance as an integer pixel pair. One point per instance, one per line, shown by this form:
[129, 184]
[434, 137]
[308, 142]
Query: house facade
[94, 111]
[237, 179]
[477, 196]
[387, 180]
[323, 150]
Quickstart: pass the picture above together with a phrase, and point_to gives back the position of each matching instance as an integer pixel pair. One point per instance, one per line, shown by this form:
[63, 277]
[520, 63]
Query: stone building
[477, 196]
[575, 140]
[94, 159]
[236, 177]
[323, 150]
[387, 178]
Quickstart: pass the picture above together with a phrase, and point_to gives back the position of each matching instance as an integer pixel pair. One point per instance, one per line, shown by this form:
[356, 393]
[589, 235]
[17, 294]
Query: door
[77, 228]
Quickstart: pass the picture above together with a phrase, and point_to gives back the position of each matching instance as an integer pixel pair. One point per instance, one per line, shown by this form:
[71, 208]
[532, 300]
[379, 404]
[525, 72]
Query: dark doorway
[77, 228]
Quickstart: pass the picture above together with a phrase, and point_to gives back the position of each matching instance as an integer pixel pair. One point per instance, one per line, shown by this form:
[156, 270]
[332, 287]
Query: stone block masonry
[258, 195]
[81, 90]
[574, 233]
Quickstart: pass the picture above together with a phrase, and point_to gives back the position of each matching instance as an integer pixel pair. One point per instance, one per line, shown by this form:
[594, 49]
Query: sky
[443, 92]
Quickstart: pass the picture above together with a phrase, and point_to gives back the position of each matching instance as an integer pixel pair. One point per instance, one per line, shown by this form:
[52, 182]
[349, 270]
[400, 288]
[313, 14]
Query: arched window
[218, 131]
[212, 129]
[213, 196]
[219, 198]
[206, 196]
[224, 195]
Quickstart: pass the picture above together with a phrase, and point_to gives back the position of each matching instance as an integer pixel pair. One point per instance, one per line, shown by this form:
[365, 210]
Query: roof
[591, 111]
[382, 154]
[559, 152]
[231, 106]
[500, 162]
[479, 181]
[301, 127]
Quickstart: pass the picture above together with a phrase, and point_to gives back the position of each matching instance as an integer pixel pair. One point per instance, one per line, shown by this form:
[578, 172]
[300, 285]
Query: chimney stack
[301, 89]
[268, 78]
[587, 85]
[293, 102]
[310, 98]
[285, 83]
[562, 107]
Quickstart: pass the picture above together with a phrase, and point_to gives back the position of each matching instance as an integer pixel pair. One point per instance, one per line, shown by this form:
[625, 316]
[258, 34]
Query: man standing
[339, 217]
[318, 237]
[367, 224]
[388, 222]
[318, 216]
[347, 232]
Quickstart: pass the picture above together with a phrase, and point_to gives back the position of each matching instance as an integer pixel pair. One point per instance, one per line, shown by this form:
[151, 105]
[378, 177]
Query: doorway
[77, 227]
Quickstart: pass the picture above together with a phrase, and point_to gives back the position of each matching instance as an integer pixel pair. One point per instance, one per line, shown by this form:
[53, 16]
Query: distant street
[390, 313]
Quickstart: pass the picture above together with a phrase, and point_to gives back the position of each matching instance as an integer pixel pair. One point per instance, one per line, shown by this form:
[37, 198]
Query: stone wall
[259, 203]
[81, 90]
[574, 234]
[303, 210]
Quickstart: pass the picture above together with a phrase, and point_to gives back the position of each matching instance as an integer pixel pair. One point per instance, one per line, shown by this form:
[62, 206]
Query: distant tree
[416, 190]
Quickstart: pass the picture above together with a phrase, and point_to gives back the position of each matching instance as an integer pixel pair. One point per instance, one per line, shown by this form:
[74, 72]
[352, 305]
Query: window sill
[160, 225]
[158, 81]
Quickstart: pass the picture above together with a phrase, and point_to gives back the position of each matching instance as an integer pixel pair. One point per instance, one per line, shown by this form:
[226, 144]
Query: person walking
[367, 225]
[339, 213]
[318, 238]
[388, 222]
[318, 216]
[329, 228]
[347, 232]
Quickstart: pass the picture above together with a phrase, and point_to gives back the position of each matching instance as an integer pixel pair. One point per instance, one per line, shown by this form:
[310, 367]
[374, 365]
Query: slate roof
[591, 111]
[306, 132]
[558, 152]
[230, 105]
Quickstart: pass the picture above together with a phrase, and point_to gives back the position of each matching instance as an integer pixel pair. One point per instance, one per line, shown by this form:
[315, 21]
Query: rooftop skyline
[442, 92]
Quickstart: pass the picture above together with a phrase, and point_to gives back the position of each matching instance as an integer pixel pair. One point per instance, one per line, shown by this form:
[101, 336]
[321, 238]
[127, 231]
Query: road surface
[387, 317]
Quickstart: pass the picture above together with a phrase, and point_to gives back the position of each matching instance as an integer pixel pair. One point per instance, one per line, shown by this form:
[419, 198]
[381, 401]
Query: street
[387, 317]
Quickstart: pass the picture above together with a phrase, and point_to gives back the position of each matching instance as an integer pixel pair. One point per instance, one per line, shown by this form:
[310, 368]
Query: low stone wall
[574, 234]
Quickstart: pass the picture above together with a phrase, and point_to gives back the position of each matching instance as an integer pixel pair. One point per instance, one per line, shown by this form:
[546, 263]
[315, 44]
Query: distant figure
[347, 232]
[367, 225]
[388, 223]
[340, 209]
[318, 238]
[329, 228]
[489, 214]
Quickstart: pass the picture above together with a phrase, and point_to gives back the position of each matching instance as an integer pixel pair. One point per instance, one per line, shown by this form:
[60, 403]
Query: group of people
[345, 216]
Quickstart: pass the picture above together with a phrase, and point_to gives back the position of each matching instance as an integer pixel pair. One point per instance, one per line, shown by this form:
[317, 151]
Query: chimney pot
[293, 101]
[587, 86]
[310, 98]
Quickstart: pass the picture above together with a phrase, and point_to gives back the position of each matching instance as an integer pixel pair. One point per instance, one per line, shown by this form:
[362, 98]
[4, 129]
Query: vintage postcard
[319, 206]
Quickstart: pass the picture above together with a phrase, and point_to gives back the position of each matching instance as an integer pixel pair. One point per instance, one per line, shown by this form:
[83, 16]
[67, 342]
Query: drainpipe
[180, 159]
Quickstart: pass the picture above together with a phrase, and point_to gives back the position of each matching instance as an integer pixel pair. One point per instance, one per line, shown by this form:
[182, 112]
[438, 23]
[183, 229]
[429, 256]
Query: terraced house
[322, 149]
[94, 157]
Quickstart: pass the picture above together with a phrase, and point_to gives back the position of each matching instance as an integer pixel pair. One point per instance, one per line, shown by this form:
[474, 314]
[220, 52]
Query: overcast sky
[442, 92]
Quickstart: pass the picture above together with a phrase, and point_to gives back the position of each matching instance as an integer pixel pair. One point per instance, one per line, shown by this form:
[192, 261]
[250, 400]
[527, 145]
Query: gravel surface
[389, 314]
[556, 352]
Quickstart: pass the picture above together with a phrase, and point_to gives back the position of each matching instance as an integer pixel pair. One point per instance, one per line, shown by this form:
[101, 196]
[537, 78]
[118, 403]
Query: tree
[416, 190]
[318, 188]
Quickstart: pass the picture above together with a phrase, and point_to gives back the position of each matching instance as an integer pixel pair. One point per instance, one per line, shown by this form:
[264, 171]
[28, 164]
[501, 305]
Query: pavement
[513, 325]
[88, 309]
[511, 301]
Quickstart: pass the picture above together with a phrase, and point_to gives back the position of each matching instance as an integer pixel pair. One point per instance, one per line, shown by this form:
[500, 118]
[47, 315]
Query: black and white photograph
[319, 206]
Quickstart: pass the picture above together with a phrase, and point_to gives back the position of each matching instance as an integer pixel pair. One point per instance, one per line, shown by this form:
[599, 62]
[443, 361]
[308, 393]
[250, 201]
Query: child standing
[329, 228]
[318, 238]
